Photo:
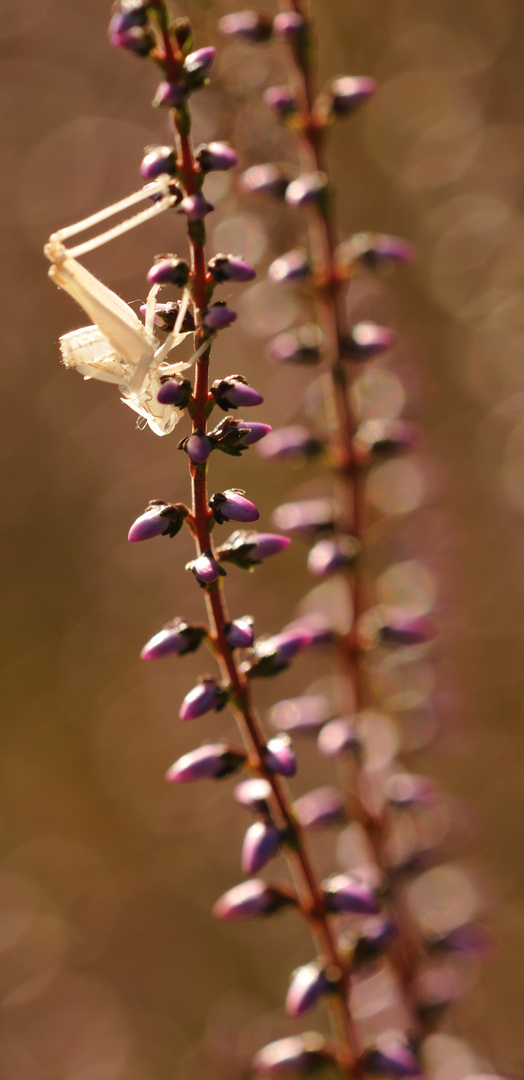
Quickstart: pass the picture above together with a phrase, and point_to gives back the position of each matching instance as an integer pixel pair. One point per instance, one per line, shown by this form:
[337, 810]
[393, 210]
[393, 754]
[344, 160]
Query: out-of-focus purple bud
[198, 63]
[374, 937]
[272, 655]
[126, 16]
[195, 207]
[374, 250]
[233, 392]
[230, 268]
[169, 95]
[321, 809]
[279, 756]
[239, 633]
[174, 390]
[405, 790]
[205, 697]
[290, 443]
[159, 519]
[166, 316]
[209, 762]
[261, 844]
[293, 266]
[289, 25]
[168, 270]
[281, 101]
[366, 340]
[328, 557]
[157, 161]
[205, 568]
[301, 346]
[345, 893]
[347, 93]
[137, 39]
[175, 639]
[253, 898]
[309, 984]
[254, 795]
[298, 1055]
[218, 317]
[392, 1055]
[308, 189]
[250, 25]
[231, 505]
[341, 736]
[386, 625]
[434, 990]
[216, 157]
[266, 179]
[469, 939]
[246, 549]
[307, 518]
[197, 446]
[317, 626]
[303, 715]
[256, 432]
[379, 438]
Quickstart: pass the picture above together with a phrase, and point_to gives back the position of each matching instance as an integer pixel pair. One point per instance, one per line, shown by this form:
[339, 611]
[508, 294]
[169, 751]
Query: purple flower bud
[279, 756]
[469, 939]
[261, 844]
[434, 990]
[345, 893]
[169, 95]
[301, 346]
[239, 634]
[174, 390]
[281, 101]
[137, 39]
[166, 316]
[374, 937]
[321, 808]
[290, 443]
[374, 250]
[385, 625]
[349, 92]
[198, 63]
[197, 446]
[298, 1055]
[293, 266]
[307, 518]
[158, 161]
[206, 696]
[216, 157]
[231, 505]
[405, 790]
[308, 189]
[256, 431]
[272, 655]
[205, 568]
[266, 180]
[303, 715]
[328, 557]
[252, 898]
[309, 984]
[250, 25]
[289, 25]
[218, 317]
[341, 736]
[317, 626]
[367, 340]
[233, 392]
[195, 207]
[246, 549]
[392, 1055]
[230, 268]
[254, 795]
[379, 438]
[160, 519]
[126, 16]
[175, 639]
[168, 270]
[210, 762]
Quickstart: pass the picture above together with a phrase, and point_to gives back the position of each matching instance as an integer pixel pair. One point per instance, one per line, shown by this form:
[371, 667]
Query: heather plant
[371, 940]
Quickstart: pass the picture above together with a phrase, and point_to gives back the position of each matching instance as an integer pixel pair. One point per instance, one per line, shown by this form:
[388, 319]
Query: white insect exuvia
[118, 347]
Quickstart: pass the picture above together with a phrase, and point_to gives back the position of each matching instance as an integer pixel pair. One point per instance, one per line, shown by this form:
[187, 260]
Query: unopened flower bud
[168, 270]
[159, 519]
[230, 268]
[374, 937]
[231, 505]
[293, 266]
[250, 25]
[345, 893]
[255, 432]
[374, 250]
[405, 790]
[174, 390]
[197, 446]
[266, 179]
[279, 756]
[205, 697]
[218, 317]
[246, 549]
[137, 39]
[301, 346]
[157, 161]
[289, 25]
[205, 568]
[195, 207]
[309, 984]
[298, 1055]
[254, 795]
[253, 898]
[216, 156]
[233, 392]
[281, 101]
[197, 65]
[272, 655]
[169, 95]
[261, 844]
[126, 16]
[294, 443]
[307, 518]
[303, 715]
[392, 1055]
[375, 439]
[329, 557]
[308, 189]
[386, 625]
[340, 736]
[321, 809]
[175, 639]
[367, 340]
[210, 762]
[239, 634]
[347, 93]
[167, 314]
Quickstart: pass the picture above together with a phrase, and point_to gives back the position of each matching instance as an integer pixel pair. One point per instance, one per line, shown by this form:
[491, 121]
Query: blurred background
[111, 965]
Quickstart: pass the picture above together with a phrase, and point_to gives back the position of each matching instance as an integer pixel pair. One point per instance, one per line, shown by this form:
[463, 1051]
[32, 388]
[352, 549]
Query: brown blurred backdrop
[111, 967]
